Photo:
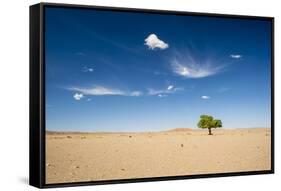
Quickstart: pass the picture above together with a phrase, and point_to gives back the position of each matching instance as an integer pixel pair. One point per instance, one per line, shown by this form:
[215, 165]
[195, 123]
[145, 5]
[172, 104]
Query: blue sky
[109, 71]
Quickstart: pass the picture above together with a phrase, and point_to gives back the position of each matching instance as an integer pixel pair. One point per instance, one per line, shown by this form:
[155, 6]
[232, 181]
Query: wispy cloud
[103, 91]
[159, 73]
[205, 97]
[87, 69]
[136, 93]
[163, 92]
[153, 42]
[236, 56]
[78, 96]
[223, 89]
[81, 92]
[162, 95]
[80, 53]
[194, 70]
[97, 91]
[187, 66]
[106, 39]
[170, 87]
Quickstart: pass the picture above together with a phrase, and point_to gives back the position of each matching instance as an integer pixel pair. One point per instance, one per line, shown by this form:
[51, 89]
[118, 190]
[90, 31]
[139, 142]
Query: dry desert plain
[79, 157]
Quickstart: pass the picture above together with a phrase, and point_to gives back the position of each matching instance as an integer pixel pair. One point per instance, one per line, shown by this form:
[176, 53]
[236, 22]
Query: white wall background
[14, 40]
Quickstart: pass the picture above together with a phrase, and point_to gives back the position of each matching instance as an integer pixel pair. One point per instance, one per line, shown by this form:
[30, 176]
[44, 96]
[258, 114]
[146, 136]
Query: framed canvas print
[126, 95]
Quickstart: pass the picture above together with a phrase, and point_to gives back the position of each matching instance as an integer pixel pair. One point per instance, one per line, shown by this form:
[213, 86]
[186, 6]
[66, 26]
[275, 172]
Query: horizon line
[167, 130]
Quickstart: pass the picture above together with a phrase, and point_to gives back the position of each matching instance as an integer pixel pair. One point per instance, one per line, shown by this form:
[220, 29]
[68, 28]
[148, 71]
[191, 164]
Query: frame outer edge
[41, 95]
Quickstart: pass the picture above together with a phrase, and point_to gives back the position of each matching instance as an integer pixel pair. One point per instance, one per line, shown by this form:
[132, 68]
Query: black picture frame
[37, 96]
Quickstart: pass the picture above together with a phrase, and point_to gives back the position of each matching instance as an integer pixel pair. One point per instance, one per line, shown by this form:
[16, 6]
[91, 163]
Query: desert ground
[79, 157]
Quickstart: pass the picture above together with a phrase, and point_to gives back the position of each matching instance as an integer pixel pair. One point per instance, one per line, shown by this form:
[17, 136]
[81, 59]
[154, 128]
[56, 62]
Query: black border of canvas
[37, 95]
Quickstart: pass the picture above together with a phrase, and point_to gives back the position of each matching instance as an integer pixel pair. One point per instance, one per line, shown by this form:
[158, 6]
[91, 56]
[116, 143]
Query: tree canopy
[208, 122]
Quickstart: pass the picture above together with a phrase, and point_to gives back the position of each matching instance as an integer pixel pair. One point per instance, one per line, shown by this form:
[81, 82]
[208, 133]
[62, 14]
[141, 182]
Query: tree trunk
[210, 132]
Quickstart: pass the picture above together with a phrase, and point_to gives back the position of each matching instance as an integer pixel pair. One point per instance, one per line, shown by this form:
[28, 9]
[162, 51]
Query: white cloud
[136, 93]
[163, 92]
[152, 91]
[235, 56]
[162, 95]
[97, 91]
[153, 42]
[191, 69]
[78, 96]
[86, 69]
[103, 91]
[170, 87]
[205, 97]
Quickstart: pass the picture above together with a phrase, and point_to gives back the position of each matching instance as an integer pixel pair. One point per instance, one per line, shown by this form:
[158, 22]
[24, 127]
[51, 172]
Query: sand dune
[77, 157]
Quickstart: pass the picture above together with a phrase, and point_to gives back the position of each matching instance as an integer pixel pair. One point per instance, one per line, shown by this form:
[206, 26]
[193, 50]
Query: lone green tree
[208, 122]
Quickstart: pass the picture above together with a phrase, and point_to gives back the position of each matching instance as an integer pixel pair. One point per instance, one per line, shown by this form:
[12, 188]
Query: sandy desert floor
[79, 157]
